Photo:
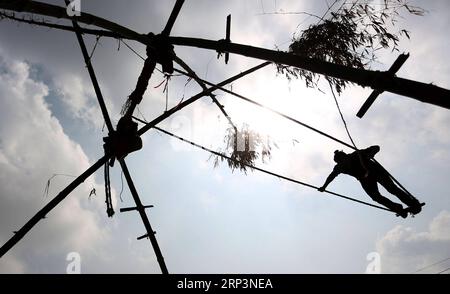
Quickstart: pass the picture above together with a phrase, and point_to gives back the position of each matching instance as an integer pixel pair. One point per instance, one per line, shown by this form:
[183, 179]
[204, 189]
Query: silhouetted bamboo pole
[49, 206]
[377, 80]
[198, 96]
[61, 12]
[90, 68]
[75, 183]
[380, 80]
[139, 207]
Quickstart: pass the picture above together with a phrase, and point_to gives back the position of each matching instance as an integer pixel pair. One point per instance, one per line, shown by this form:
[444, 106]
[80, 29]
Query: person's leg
[392, 188]
[370, 186]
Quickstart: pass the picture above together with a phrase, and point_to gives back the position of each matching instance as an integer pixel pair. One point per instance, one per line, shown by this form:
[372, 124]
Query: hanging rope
[159, 85]
[184, 89]
[394, 179]
[263, 170]
[347, 130]
[95, 47]
[140, 113]
[360, 157]
[191, 76]
[295, 121]
[132, 50]
[93, 192]
[140, 56]
[342, 117]
[272, 110]
[121, 186]
[47, 186]
[166, 90]
[108, 201]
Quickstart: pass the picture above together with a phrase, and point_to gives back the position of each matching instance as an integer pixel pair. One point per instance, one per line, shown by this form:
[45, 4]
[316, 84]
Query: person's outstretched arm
[329, 179]
[371, 151]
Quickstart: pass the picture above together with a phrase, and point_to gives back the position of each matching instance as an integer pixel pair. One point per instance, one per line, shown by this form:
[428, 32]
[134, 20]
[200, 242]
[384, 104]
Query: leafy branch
[244, 147]
[350, 36]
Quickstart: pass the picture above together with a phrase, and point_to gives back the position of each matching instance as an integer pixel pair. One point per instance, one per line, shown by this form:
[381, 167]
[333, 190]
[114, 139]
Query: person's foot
[414, 205]
[399, 211]
[402, 212]
[416, 208]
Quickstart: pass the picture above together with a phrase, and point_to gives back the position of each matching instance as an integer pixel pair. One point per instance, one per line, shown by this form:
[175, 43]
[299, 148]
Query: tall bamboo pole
[376, 80]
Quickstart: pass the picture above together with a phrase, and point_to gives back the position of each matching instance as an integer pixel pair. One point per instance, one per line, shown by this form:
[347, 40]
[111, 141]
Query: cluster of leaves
[350, 36]
[244, 147]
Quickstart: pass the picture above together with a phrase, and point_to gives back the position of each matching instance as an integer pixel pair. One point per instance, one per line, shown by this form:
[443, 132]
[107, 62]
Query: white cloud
[404, 250]
[209, 201]
[397, 126]
[436, 127]
[33, 146]
[80, 99]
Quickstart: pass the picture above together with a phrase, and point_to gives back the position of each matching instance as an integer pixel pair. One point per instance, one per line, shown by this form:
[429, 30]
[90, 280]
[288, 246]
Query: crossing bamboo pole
[18, 235]
[377, 80]
[140, 208]
[75, 183]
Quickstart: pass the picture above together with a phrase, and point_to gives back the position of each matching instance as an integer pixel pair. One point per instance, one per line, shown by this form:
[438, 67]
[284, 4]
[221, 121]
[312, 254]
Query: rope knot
[123, 141]
[162, 51]
[222, 43]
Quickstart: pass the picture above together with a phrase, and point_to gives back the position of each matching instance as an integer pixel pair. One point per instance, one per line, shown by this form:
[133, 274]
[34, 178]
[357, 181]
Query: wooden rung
[145, 236]
[398, 63]
[227, 37]
[373, 96]
[369, 101]
[142, 237]
[134, 208]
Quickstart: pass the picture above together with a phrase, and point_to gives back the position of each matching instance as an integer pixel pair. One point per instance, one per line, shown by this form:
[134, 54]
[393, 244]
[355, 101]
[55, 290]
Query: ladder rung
[392, 70]
[227, 37]
[134, 208]
[368, 103]
[142, 237]
[145, 236]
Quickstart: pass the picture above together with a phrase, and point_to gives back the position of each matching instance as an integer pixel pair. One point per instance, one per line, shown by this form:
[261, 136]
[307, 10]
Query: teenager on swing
[369, 173]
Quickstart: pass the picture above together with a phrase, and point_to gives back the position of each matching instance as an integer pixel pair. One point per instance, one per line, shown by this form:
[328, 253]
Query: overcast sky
[211, 220]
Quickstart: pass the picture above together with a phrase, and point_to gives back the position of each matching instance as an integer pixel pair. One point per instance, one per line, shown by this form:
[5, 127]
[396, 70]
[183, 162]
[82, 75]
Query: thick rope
[192, 75]
[141, 86]
[108, 201]
[291, 119]
[360, 157]
[263, 170]
[271, 110]
[342, 117]
[361, 160]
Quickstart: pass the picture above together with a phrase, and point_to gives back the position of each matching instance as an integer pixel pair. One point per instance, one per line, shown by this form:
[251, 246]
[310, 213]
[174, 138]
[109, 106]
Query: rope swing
[351, 146]
[261, 169]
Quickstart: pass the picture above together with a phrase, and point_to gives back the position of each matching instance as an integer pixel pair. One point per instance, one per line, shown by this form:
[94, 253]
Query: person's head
[339, 156]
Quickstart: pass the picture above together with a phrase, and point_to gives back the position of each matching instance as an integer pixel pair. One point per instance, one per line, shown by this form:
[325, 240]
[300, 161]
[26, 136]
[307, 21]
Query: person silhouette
[360, 165]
